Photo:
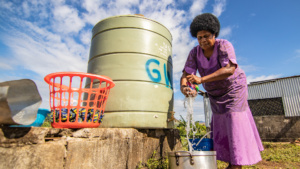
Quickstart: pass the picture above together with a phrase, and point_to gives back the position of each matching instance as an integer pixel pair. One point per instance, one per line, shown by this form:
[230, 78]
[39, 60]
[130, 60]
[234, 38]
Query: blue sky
[40, 37]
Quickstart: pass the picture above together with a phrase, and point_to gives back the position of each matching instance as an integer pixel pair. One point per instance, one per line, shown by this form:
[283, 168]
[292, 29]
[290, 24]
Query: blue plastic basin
[41, 115]
[205, 145]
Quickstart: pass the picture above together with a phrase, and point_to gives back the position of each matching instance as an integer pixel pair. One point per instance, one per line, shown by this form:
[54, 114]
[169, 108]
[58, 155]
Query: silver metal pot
[193, 160]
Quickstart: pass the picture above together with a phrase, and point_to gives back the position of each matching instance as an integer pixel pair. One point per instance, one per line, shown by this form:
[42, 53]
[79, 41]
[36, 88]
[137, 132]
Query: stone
[44, 156]
[14, 136]
[128, 147]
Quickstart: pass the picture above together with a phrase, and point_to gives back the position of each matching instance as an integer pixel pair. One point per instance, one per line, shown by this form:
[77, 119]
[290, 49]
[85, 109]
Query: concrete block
[41, 156]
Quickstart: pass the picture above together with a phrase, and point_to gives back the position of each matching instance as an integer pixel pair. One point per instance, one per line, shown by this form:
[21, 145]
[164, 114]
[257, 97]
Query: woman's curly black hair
[207, 22]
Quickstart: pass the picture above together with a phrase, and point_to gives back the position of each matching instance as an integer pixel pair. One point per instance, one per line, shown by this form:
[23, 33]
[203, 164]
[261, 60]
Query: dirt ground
[268, 165]
[275, 165]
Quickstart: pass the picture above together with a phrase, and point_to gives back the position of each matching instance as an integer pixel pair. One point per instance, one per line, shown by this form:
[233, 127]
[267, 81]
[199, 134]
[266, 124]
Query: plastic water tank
[136, 53]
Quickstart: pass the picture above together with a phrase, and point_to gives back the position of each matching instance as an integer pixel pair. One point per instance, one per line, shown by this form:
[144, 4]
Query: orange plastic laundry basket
[75, 104]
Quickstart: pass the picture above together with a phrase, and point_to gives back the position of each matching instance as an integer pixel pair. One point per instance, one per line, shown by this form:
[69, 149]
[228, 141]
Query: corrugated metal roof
[264, 81]
[288, 88]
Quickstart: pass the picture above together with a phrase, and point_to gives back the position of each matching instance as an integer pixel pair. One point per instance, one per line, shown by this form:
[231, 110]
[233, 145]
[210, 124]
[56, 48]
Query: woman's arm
[183, 79]
[220, 74]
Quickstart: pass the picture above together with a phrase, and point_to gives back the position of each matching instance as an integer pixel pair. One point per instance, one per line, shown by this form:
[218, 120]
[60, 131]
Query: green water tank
[136, 53]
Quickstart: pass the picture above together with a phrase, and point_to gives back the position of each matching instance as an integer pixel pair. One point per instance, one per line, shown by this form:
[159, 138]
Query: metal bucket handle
[203, 137]
[177, 159]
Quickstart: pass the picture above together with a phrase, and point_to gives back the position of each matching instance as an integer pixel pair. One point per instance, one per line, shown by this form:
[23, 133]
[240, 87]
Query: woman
[235, 135]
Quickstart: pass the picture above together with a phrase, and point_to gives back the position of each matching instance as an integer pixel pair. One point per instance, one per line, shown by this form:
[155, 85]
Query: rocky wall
[105, 148]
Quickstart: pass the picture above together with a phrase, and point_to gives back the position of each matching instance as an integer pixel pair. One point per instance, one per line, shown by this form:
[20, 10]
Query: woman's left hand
[194, 79]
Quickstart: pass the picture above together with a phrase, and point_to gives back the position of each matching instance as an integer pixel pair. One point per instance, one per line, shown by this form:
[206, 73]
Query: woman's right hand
[187, 91]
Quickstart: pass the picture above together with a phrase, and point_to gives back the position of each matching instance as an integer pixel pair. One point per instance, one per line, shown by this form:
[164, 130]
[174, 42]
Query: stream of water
[190, 123]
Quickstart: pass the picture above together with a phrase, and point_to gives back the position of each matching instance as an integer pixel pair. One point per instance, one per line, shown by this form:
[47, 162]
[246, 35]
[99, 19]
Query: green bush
[155, 163]
[47, 122]
[200, 129]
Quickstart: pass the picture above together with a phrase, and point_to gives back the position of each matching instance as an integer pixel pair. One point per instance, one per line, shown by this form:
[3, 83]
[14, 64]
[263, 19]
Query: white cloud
[26, 9]
[225, 32]
[94, 12]
[164, 12]
[219, 7]
[297, 53]
[198, 109]
[43, 89]
[294, 58]
[86, 36]
[197, 7]
[126, 4]
[175, 90]
[181, 49]
[6, 5]
[101, 9]
[38, 9]
[4, 65]
[251, 78]
[42, 52]
[182, 1]
[66, 19]
[92, 5]
[248, 68]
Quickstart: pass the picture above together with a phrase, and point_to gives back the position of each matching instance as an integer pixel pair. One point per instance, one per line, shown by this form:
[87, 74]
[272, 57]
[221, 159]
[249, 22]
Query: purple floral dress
[235, 136]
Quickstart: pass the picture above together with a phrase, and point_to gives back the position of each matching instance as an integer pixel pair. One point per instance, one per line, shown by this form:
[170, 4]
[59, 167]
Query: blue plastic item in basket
[40, 118]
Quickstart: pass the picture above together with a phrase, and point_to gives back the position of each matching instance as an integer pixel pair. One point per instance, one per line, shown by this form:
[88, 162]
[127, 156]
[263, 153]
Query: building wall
[278, 128]
[287, 88]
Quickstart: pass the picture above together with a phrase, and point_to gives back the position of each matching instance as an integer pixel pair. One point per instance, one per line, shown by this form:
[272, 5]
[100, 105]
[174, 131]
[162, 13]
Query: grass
[280, 155]
[275, 156]
[281, 152]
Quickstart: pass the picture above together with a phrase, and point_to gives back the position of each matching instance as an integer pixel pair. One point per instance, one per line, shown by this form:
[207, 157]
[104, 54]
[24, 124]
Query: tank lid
[99, 27]
[140, 15]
